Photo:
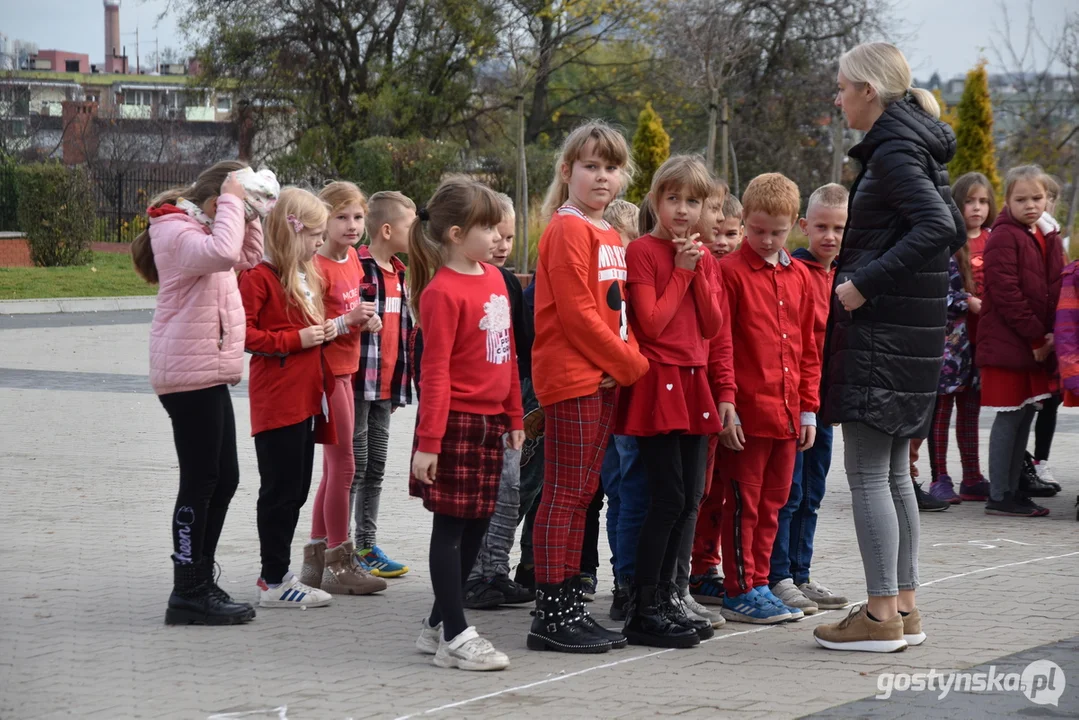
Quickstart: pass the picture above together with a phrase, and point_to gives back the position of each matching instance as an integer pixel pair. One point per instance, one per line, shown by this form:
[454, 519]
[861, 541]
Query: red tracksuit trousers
[706, 535]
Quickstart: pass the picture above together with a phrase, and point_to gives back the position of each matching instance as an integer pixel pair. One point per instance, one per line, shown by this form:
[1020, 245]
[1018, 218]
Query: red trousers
[575, 442]
[706, 534]
[756, 484]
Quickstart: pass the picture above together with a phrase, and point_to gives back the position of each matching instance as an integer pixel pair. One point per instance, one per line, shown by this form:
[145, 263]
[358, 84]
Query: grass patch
[107, 275]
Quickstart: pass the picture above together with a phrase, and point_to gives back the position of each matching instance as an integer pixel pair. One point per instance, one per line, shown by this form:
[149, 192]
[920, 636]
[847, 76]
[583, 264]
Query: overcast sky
[946, 36]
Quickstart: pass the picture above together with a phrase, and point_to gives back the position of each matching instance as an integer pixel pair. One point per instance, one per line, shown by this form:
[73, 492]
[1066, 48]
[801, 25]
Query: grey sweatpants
[885, 508]
[370, 444]
[494, 555]
[1007, 445]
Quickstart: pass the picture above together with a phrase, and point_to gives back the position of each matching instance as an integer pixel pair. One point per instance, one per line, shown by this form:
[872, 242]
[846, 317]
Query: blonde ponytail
[884, 67]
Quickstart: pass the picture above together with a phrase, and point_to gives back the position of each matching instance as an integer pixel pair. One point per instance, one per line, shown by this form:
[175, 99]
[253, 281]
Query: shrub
[975, 149]
[651, 148]
[56, 211]
[9, 196]
[413, 166]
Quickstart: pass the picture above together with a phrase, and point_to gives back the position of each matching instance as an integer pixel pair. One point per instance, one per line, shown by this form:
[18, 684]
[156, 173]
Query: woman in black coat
[886, 329]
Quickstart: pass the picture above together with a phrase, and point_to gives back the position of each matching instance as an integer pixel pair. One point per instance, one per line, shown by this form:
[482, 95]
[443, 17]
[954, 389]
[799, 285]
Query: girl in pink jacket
[198, 237]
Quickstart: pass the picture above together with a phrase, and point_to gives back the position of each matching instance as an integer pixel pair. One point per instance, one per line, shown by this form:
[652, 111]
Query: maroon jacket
[1021, 290]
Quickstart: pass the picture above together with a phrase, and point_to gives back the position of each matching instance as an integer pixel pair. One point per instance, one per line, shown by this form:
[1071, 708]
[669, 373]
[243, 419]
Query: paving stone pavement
[87, 481]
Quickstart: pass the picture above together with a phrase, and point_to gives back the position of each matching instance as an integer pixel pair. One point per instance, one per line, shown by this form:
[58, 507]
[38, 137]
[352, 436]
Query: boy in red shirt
[792, 552]
[770, 303]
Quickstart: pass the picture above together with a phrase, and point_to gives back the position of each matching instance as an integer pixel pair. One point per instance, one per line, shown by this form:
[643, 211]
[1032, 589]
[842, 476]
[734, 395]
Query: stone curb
[77, 305]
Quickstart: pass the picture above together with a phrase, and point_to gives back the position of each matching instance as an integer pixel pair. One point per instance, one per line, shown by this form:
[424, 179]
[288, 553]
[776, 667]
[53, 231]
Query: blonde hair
[507, 205]
[285, 247]
[773, 194]
[732, 206]
[646, 219]
[385, 207]
[341, 194]
[610, 146]
[622, 215]
[1052, 187]
[883, 67]
[207, 185]
[1024, 172]
[831, 195]
[460, 202]
[683, 172]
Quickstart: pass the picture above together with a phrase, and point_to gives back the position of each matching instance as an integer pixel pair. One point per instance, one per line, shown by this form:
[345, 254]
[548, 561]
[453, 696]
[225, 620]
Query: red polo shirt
[776, 362]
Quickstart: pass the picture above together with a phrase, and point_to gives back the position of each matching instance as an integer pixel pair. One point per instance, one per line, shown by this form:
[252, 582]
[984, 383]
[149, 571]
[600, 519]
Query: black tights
[590, 549]
[455, 543]
[1045, 427]
[674, 464]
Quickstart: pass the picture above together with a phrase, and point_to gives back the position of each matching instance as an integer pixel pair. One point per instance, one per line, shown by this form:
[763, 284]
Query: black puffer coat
[882, 362]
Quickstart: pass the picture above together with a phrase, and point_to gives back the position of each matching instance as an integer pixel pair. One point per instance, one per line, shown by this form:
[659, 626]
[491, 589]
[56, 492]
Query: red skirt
[469, 467]
[1004, 389]
[667, 399]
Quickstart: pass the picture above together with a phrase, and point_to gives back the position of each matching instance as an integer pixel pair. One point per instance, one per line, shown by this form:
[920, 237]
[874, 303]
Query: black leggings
[590, 549]
[674, 464]
[1045, 427]
[286, 456]
[455, 542]
[204, 430]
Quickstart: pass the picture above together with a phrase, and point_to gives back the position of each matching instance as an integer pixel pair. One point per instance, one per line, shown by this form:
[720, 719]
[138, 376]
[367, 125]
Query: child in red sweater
[289, 384]
[582, 351]
[776, 369]
[470, 398]
[328, 561]
[674, 296]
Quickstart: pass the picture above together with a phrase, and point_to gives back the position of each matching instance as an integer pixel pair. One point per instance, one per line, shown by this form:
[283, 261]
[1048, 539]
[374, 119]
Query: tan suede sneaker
[314, 562]
[912, 628]
[859, 632]
[344, 576]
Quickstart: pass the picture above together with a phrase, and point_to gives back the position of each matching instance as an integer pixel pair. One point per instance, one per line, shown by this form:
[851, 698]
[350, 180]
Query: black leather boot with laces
[555, 625]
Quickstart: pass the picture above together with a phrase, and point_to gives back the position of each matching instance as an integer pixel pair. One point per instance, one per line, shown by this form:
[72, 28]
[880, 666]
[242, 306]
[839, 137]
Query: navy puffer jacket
[883, 360]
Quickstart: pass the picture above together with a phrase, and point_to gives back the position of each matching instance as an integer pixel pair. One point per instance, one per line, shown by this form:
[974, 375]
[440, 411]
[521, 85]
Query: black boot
[554, 625]
[575, 602]
[678, 613]
[193, 602]
[212, 571]
[620, 600]
[1030, 471]
[1033, 486]
[646, 624]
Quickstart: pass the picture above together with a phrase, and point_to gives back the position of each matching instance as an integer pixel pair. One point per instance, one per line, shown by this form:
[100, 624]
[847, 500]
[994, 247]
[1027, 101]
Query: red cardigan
[288, 384]
[1022, 286]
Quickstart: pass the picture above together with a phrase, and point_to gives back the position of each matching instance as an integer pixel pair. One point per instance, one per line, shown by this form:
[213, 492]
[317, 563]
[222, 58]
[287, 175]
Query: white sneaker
[695, 608]
[1044, 472]
[822, 596]
[469, 651]
[292, 593]
[427, 642]
[791, 596]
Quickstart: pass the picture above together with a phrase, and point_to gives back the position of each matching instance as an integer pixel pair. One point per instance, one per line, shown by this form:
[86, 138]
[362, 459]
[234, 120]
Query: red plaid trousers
[968, 405]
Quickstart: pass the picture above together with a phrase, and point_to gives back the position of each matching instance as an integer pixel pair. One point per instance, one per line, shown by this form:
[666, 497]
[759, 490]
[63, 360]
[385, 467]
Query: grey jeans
[885, 508]
[370, 443]
[494, 556]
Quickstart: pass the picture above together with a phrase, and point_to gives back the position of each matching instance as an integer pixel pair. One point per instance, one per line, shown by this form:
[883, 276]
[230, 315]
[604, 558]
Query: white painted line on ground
[635, 658]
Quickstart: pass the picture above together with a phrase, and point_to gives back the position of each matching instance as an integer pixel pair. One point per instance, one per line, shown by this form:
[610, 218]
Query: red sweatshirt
[469, 361]
[287, 382]
[581, 329]
[776, 363]
[342, 280]
[674, 311]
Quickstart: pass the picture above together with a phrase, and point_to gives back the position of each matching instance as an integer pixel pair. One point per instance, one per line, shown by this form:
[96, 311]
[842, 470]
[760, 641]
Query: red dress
[673, 312]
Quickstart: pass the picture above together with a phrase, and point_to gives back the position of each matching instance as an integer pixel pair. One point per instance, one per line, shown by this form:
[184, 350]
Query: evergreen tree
[651, 147]
[947, 114]
[975, 151]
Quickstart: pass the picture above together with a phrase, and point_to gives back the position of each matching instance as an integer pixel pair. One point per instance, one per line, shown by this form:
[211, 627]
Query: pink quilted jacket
[197, 336]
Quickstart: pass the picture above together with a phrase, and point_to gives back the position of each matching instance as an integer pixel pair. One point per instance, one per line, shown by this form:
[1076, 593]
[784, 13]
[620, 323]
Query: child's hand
[849, 296]
[689, 252]
[1045, 350]
[607, 383]
[312, 336]
[807, 438]
[424, 466]
[517, 439]
[360, 314]
[330, 329]
[727, 414]
[975, 304]
[732, 436]
[373, 325]
[232, 186]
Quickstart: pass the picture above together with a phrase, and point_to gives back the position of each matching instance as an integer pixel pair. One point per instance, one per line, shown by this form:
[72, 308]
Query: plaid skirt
[469, 467]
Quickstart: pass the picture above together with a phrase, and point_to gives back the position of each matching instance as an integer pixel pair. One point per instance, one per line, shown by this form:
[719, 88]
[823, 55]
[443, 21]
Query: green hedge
[413, 166]
[56, 211]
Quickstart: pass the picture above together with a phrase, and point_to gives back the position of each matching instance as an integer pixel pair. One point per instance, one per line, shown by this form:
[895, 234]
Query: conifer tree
[975, 151]
[651, 147]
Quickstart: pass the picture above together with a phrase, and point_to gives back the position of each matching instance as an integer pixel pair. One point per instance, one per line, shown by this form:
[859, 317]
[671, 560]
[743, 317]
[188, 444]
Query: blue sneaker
[379, 564]
[766, 592]
[707, 589]
[754, 608]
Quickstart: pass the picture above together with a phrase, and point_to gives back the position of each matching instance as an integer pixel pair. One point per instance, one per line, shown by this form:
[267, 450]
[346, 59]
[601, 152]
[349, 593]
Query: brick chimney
[114, 61]
[80, 133]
